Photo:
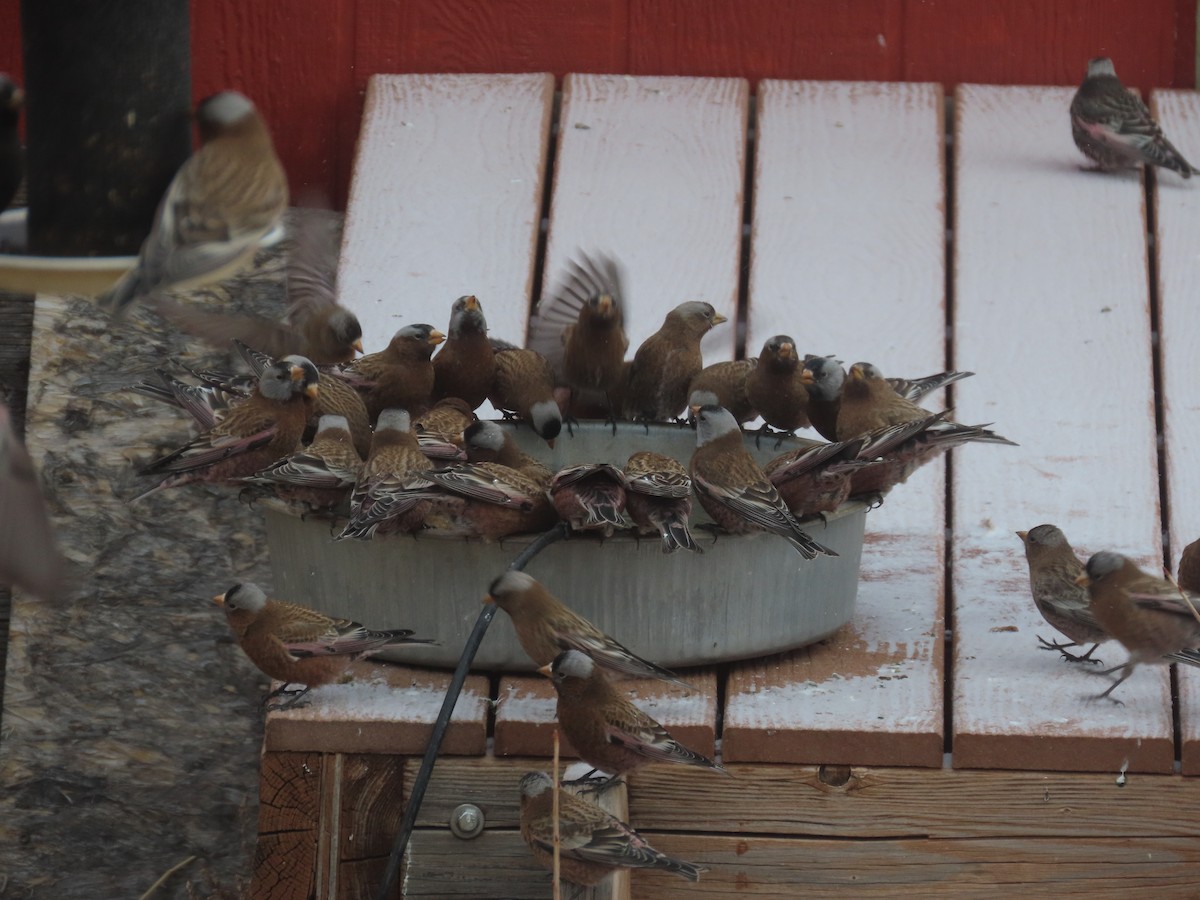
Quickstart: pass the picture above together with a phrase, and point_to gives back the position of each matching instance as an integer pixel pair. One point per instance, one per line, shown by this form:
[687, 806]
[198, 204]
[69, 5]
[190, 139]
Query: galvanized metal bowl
[746, 596]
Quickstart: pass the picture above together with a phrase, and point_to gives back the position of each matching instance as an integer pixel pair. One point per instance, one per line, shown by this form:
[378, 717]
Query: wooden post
[108, 91]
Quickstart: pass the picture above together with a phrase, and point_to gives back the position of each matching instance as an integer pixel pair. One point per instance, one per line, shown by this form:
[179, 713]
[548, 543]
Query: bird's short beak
[718, 319]
[806, 376]
[219, 599]
[856, 373]
[1083, 580]
[297, 373]
[547, 671]
[550, 443]
[312, 390]
[694, 410]
[436, 337]
[787, 351]
[358, 346]
[1022, 534]
[472, 302]
[604, 304]
[488, 599]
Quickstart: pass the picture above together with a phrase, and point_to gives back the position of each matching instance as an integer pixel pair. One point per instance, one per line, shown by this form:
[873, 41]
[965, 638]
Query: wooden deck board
[1052, 311]
[1177, 222]
[446, 200]
[827, 201]
[390, 707]
[651, 171]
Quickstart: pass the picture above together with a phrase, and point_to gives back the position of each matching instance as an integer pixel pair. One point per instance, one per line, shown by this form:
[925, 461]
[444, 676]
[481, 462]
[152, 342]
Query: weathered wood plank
[289, 815]
[525, 719]
[1031, 867]
[1177, 221]
[874, 803]
[446, 200]
[826, 200]
[437, 865]
[390, 707]
[1050, 291]
[371, 805]
[651, 171]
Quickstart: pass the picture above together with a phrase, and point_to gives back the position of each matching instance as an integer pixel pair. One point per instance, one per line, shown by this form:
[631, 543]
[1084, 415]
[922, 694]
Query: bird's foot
[570, 422]
[594, 783]
[1070, 657]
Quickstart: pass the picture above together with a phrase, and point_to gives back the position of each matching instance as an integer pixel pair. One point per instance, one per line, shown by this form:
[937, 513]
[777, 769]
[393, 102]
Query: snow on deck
[1177, 221]
[1052, 303]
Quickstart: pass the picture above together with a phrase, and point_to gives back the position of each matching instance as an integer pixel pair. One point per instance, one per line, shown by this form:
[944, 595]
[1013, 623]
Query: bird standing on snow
[733, 488]
[592, 842]
[1114, 128]
[1053, 572]
[666, 363]
[298, 645]
[607, 731]
[1154, 619]
[221, 203]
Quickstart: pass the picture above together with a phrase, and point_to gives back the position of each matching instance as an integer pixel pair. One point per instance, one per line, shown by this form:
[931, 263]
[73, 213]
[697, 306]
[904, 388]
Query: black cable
[421, 782]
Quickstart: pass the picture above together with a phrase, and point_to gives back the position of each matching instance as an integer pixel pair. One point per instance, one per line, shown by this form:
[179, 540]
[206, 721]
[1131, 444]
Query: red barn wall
[306, 62]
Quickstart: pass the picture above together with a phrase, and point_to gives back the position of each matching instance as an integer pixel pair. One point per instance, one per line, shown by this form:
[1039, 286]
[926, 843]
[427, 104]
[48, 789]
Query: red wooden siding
[306, 62]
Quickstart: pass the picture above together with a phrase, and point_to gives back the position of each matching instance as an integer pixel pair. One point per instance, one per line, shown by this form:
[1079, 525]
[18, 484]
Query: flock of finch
[391, 437]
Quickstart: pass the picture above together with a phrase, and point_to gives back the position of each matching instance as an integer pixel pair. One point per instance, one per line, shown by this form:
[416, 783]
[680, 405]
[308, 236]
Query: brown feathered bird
[466, 365]
[29, 554]
[607, 731]
[399, 376]
[816, 478]
[314, 324]
[724, 384]
[667, 361]
[317, 477]
[297, 645]
[734, 490]
[491, 501]
[592, 842]
[219, 206]
[579, 326]
[439, 427]
[1156, 621]
[1054, 570]
[824, 377]
[253, 433]
[546, 627]
[775, 387]
[1114, 128]
[658, 497]
[393, 493]
[590, 497]
[524, 386]
[1188, 571]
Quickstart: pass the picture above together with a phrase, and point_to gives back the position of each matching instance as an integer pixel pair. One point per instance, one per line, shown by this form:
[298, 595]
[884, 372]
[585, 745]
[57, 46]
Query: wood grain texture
[1028, 42]
[774, 39]
[1050, 292]
[650, 171]
[446, 201]
[847, 256]
[1031, 867]
[371, 805]
[871, 803]
[847, 250]
[295, 60]
[525, 718]
[359, 879]
[1177, 221]
[289, 816]
[386, 709]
